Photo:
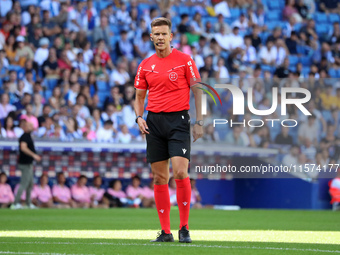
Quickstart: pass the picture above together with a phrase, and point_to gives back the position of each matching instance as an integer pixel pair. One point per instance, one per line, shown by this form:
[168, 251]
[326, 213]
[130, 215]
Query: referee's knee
[159, 179]
[181, 174]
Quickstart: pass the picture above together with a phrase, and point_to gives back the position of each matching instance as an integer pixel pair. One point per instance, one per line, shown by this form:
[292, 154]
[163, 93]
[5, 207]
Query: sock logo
[161, 210]
[184, 151]
[185, 203]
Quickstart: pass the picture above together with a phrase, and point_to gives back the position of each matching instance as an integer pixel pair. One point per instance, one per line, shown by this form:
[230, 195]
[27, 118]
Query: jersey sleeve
[191, 72]
[140, 81]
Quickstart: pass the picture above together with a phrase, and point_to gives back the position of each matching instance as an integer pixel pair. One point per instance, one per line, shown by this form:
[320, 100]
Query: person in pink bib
[61, 193]
[115, 194]
[97, 194]
[134, 192]
[43, 193]
[148, 196]
[6, 194]
[80, 193]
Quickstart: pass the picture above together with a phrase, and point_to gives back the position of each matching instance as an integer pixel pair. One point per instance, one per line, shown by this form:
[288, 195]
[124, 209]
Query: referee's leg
[160, 171]
[183, 194]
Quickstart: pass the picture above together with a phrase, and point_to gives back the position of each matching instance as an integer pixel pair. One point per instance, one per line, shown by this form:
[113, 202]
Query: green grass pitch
[128, 231]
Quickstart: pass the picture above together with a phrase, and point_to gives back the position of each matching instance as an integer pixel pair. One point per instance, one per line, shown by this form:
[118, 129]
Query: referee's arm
[139, 109]
[197, 131]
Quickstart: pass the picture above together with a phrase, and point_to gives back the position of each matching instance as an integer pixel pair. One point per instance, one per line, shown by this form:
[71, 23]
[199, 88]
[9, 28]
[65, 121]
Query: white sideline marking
[176, 245]
[34, 253]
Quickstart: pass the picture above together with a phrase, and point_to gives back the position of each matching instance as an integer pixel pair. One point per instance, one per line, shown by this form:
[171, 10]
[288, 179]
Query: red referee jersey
[168, 81]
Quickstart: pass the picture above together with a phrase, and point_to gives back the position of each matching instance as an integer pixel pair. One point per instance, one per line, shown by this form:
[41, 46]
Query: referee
[168, 75]
[27, 154]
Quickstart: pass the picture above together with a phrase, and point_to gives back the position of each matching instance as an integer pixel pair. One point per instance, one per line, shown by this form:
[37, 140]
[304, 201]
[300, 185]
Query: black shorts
[169, 136]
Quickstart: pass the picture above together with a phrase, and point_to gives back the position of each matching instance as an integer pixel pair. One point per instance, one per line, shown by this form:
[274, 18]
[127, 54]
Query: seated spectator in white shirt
[292, 157]
[223, 39]
[42, 52]
[220, 23]
[106, 133]
[75, 18]
[5, 106]
[241, 23]
[268, 53]
[111, 113]
[119, 76]
[84, 111]
[237, 137]
[221, 72]
[197, 57]
[281, 51]
[236, 41]
[309, 129]
[124, 135]
[249, 56]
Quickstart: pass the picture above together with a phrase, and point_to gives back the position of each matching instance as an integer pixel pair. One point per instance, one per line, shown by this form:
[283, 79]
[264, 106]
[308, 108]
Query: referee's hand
[197, 132]
[142, 126]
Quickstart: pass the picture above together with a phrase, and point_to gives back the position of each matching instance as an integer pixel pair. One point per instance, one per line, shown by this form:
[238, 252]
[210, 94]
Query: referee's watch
[199, 122]
[138, 118]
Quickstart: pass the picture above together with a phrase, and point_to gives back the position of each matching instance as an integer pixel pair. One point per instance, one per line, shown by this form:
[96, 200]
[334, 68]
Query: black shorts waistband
[168, 113]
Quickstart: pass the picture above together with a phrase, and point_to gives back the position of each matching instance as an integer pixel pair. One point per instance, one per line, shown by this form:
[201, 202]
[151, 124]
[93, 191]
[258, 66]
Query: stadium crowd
[64, 194]
[68, 66]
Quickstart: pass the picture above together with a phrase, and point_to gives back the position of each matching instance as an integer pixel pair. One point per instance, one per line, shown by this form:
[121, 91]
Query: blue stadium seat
[264, 36]
[51, 83]
[142, 7]
[305, 70]
[306, 61]
[332, 73]
[274, 5]
[184, 10]
[273, 16]
[114, 29]
[338, 73]
[102, 85]
[102, 96]
[320, 17]
[293, 60]
[48, 93]
[103, 4]
[235, 13]
[333, 18]
[113, 40]
[271, 25]
[321, 29]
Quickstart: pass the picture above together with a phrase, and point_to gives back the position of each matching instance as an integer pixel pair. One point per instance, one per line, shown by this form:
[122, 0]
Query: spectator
[183, 44]
[237, 137]
[49, 27]
[98, 69]
[309, 130]
[134, 192]
[64, 62]
[249, 56]
[116, 195]
[23, 52]
[210, 134]
[119, 76]
[71, 129]
[102, 32]
[183, 26]
[223, 39]
[43, 193]
[84, 112]
[284, 138]
[80, 193]
[221, 72]
[328, 100]
[330, 6]
[124, 46]
[28, 82]
[6, 194]
[97, 194]
[290, 10]
[76, 17]
[268, 53]
[20, 129]
[72, 94]
[88, 131]
[37, 105]
[283, 70]
[106, 133]
[195, 200]
[5, 106]
[302, 9]
[50, 66]
[10, 49]
[172, 191]
[124, 135]
[29, 117]
[42, 52]
[222, 8]
[292, 43]
[241, 23]
[148, 196]
[236, 41]
[292, 157]
[255, 38]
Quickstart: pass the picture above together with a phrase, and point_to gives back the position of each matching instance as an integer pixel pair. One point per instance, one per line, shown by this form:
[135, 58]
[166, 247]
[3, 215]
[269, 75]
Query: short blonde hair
[161, 22]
